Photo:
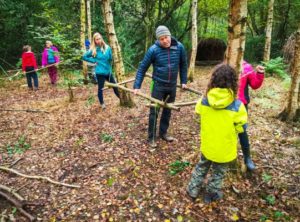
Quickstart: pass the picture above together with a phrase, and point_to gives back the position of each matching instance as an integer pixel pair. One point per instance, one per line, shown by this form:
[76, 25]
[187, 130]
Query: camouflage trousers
[214, 183]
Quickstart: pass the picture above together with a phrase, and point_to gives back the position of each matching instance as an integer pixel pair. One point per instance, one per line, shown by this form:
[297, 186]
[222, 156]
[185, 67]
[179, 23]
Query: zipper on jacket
[169, 64]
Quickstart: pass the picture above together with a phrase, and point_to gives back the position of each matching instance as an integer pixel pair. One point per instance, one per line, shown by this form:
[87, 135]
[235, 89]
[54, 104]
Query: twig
[10, 190]
[15, 162]
[26, 110]
[17, 204]
[159, 102]
[121, 83]
[38, 177]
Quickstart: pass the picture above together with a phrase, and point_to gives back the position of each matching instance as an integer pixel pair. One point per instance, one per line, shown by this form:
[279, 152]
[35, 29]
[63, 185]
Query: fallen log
[156, 101]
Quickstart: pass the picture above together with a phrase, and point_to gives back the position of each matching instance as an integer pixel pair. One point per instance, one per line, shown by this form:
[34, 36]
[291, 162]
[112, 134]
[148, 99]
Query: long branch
[18, 204]
[179, 86]
[37, 177]
[10, 190]
[159, 102]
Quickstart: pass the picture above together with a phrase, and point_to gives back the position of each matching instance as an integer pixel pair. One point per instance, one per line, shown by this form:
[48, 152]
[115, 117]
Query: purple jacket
[45, 56]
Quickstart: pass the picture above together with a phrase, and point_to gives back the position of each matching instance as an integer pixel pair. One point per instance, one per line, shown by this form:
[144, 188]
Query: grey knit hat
[161, 31]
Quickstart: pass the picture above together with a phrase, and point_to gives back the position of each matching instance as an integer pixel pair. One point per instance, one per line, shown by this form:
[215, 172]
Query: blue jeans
[31, 76]
[161, 91]
[101, 80]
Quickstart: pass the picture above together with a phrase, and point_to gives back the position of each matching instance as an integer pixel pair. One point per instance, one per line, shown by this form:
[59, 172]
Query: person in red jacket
[29, 67]
[254, 79]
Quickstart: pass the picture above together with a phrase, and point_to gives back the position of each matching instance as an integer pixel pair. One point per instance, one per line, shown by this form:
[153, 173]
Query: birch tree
[236, 34]
[125, 99]
[89, 19]
[267, 49]
[292, 109]
[194, 36]
[82, 35]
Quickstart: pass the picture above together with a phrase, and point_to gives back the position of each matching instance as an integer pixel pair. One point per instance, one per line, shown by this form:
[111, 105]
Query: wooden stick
[25, 110]
[15, 162]
[179, 86]
[19, 205]
[180, 104]
[11, 191]
[159, 102]
[121, 83]
[37, 177]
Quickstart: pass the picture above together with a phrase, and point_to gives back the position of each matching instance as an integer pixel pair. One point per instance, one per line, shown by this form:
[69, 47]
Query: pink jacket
[45, 56]
[248, 77]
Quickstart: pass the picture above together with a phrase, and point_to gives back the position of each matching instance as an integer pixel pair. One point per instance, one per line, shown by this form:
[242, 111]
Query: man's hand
[136, 91]
[184, 86]
[260, 69]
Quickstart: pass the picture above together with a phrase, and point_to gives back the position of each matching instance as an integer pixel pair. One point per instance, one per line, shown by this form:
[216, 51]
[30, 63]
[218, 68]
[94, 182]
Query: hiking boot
[247, 159]
[210, 197]
[103, 106]
[152, 143]
[193, 194]
[167, 138]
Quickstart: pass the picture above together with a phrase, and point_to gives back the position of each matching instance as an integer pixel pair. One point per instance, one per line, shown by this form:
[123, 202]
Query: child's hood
[219, 98]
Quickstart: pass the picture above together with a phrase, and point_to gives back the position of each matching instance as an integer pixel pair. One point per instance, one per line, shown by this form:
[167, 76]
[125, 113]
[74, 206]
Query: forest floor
[121, 178]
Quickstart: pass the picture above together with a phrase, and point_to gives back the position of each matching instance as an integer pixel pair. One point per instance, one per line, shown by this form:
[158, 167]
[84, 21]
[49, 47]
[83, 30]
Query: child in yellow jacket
[222, 118]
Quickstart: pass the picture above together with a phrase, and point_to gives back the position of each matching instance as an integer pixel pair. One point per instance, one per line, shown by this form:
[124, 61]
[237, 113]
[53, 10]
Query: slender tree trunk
[253, 21]
[292, 109]
[281, 34]
[194, 36]
[125, 99]
[236, 34]
[82, 35]
[267, 50]
[89, 19]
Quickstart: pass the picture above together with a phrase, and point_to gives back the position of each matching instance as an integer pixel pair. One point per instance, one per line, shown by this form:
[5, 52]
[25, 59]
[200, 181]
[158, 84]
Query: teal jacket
[103, 60]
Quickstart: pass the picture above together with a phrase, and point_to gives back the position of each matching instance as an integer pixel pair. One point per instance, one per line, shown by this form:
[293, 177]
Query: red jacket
[248, 77]
[28, 59]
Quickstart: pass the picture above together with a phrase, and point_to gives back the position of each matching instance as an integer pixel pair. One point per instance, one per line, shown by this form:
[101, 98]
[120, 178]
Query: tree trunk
[194, 34]
[267, 49]
[236, 34]
[292, 109]
[281, 34]
[125, 99]
[82, 35]
[89, 19]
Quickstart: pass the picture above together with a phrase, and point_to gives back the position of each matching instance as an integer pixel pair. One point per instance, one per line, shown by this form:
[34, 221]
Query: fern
[276, 67]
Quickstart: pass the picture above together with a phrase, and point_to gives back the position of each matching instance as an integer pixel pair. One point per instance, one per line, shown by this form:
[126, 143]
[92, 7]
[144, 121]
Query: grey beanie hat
[161, 31]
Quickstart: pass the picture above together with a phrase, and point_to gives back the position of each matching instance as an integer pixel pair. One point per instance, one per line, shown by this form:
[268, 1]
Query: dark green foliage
[276, 67]
[177, 167]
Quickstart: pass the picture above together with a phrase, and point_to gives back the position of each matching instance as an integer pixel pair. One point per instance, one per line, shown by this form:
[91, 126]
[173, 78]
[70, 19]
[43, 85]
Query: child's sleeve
[198, 107]
[241, 118]
[88, 57]
[23, 64]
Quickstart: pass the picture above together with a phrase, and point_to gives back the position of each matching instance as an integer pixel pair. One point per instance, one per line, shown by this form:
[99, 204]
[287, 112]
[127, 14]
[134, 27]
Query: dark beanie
[161, 31]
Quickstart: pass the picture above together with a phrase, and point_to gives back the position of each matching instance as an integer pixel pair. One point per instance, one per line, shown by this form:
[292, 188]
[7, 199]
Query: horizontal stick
[179, 86]
[121, 83]
[159, 102]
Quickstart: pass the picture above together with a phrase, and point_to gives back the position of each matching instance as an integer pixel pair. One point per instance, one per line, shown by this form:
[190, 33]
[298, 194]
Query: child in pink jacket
[50, 56]
[254, 79]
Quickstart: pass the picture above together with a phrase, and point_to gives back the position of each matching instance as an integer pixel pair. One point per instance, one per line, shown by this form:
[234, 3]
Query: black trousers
[101, 80]
[161, 91]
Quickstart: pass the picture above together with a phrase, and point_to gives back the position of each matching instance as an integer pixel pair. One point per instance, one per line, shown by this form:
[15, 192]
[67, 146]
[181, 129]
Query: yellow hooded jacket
[222, 118]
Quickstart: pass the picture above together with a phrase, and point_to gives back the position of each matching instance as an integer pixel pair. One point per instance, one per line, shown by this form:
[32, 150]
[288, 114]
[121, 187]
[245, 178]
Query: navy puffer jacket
[167, 62]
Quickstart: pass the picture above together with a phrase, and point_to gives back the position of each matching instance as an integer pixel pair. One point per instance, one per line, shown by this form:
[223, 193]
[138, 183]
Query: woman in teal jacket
[100, 53]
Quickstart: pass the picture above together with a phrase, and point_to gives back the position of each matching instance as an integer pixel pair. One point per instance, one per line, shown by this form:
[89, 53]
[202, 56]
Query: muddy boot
[247, 158]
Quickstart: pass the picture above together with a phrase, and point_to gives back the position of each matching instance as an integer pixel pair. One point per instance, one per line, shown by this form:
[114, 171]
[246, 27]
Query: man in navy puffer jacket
[168, 58]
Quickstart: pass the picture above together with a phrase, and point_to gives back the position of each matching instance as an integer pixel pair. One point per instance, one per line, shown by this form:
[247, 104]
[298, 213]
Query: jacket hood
[219, 98]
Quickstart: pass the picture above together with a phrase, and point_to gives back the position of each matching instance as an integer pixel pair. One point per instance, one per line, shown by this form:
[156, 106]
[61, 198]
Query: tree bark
[89, 19]
[267, 49]
[125, 99]
[292, 109]
[236, 34]
[82, 35]
[194, 36]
